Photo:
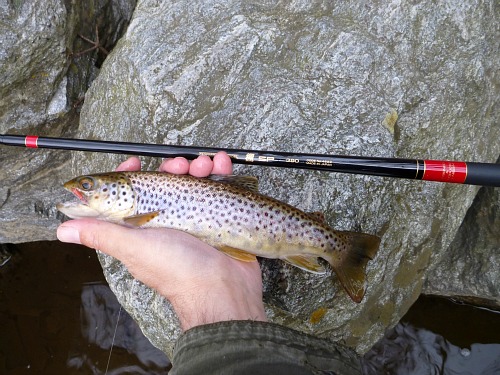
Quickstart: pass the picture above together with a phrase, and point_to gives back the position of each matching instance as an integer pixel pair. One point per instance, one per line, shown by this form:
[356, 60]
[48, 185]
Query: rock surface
[41, 85]
[33, 59]
[308, 77]
[468, 271]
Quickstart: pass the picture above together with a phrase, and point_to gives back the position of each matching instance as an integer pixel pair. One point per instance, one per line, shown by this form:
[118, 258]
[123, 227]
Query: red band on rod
[31, 141]
[445, 171]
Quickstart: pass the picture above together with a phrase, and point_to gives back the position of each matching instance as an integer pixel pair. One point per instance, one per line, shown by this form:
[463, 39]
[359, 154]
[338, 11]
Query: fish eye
[86, 183]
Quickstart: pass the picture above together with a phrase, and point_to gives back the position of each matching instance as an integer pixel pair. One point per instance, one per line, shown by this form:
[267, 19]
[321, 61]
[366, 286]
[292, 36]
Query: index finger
[131, 164]
[222, 163]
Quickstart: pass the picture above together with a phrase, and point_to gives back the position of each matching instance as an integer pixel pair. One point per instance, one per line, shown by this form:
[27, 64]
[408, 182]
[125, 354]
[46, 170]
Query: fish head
[107, 196]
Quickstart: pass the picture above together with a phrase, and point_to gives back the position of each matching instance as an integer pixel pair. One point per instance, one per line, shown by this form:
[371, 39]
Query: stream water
[58, 316]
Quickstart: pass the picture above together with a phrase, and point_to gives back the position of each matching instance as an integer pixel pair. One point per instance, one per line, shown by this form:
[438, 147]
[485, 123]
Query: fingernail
[68, 234]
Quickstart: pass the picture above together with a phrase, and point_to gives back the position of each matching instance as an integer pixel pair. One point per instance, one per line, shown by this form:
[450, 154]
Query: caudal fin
[350, 269]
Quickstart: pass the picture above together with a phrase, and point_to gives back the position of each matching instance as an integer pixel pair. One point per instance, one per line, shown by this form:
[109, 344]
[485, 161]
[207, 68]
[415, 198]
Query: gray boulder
[310, 77]
[42, 83]
[469, 269]
[33, 91]
[33, 59]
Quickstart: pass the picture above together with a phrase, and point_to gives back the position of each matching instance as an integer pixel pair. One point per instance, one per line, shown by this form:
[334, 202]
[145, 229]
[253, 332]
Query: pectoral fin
[307, 263]
[141, 219]
[237, 253]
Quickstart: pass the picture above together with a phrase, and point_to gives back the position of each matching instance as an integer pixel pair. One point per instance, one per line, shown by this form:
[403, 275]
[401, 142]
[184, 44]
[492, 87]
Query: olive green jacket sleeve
[248, 347]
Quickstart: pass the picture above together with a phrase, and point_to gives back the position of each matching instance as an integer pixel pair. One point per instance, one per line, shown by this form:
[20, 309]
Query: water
[58, 316]
[438, 336]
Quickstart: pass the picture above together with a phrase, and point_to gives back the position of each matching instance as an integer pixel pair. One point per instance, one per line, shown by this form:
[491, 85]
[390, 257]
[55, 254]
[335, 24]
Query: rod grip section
[485, 174]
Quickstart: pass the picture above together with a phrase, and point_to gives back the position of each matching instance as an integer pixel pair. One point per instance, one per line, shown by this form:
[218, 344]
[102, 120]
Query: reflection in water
[417, 351]
[58, 316]
[105, 325]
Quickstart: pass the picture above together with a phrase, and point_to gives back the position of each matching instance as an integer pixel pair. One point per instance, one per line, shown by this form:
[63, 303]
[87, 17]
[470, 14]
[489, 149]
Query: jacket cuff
[255, 347]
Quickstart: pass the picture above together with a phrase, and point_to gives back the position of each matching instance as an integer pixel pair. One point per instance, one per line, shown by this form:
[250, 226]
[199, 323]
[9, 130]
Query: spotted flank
[228, 213]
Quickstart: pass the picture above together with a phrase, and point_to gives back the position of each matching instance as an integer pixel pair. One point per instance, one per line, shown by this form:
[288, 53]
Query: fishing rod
[486, 174]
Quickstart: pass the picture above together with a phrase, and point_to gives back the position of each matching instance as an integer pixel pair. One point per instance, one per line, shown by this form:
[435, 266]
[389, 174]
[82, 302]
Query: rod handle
[485, 174]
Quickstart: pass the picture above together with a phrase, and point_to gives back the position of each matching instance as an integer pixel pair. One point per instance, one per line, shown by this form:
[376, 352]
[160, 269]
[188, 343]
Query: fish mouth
[80, 196]
[81, 202]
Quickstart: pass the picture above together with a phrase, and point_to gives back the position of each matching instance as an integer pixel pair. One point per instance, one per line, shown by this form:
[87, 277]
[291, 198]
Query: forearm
[249, 347]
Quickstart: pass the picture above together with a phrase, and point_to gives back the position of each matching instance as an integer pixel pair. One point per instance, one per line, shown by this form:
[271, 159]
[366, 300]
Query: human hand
[203, 285]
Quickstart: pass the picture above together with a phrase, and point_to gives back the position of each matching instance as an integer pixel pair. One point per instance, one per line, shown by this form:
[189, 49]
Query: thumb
[112, 239]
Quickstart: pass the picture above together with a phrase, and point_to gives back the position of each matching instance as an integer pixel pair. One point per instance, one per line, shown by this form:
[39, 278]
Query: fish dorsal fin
[307, 263]
[247, 182]
[317, 215]
[237, 253]
[140, 219]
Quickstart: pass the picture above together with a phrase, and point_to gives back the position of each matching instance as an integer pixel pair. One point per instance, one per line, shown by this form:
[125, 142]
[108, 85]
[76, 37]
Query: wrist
[218, 303]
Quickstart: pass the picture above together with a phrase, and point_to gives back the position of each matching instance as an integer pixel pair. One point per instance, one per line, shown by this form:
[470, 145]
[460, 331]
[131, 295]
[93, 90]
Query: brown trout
[228, 213]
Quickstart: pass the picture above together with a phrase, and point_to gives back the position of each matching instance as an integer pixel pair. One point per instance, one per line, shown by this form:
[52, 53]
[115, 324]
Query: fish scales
[205, 206]
[226, 214]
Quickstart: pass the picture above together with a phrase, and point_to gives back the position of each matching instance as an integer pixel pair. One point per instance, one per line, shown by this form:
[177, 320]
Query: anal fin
[307, 263]
[237, 253]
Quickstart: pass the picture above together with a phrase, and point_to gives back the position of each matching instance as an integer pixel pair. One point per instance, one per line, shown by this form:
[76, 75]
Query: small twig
[96, 44]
